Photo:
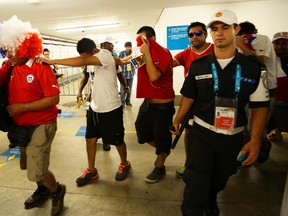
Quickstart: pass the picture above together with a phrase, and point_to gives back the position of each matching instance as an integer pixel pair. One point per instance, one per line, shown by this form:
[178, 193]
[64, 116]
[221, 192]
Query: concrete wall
[269, 17]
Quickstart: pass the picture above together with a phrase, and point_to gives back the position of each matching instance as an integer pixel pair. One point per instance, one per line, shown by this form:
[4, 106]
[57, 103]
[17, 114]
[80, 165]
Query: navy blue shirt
[128, 74]
[199, 85]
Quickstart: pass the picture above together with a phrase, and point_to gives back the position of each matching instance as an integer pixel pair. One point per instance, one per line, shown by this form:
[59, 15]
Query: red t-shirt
[163, 87]
[281, 93]
[187, 56]
[31, 82]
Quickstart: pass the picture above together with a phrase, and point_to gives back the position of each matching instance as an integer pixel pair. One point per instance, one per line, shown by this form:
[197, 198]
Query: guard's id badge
[129, 67]
[225, 113]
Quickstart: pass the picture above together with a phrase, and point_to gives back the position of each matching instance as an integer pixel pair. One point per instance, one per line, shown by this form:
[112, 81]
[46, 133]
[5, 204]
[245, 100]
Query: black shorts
[108, 126]
[152, 124]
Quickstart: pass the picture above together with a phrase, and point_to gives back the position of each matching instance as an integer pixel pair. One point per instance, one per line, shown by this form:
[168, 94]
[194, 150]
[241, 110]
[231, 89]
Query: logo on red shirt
[30, 78]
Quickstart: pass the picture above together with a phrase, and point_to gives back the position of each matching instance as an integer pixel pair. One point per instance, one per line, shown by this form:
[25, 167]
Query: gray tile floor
[253, 191]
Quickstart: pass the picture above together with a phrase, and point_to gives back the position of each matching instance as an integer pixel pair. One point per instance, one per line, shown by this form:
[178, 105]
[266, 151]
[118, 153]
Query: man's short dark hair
[128, 44]
[247, 28]
[86, 45]
[106, 43]
[194, 24]
[46, 50]
[150, 32]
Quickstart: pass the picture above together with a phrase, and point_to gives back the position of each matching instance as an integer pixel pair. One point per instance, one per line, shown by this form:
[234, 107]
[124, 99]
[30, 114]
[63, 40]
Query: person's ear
[237, 29]
[153, 38]
[205, 34]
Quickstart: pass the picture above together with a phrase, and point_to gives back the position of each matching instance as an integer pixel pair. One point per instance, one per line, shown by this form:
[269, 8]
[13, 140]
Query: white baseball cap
[280, 35]
[225, 16]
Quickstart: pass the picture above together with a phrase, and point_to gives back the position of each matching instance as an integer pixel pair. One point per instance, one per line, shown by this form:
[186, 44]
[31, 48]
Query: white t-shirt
[105, 94]
[264, 47]
[91, 71]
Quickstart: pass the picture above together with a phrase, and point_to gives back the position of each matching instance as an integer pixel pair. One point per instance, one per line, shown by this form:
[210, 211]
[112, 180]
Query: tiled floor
[254, 191]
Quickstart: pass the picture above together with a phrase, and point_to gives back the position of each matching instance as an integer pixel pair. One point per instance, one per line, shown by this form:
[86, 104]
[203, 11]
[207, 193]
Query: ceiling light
[117, 35]
[33, 1]
[89, 27]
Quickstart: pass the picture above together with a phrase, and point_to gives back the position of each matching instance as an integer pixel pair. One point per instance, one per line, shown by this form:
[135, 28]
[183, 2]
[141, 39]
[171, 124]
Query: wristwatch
[127, 87]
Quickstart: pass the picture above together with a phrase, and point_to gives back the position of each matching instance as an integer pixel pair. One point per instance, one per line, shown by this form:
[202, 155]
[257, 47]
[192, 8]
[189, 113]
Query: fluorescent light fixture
[33, 1]
[89, 27]
[118, 35]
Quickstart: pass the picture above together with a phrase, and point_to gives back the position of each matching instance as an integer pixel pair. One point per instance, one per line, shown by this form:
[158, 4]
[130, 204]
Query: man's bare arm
[153, 72]
[73, 61]
[121, 62]
[44, 103]
[258, 123]
[184, 107]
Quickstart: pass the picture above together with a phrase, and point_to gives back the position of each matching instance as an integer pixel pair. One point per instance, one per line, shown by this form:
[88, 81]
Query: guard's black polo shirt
[199, 85]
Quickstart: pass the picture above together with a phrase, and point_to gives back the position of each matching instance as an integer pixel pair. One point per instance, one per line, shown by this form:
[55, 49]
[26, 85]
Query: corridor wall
[269, 17]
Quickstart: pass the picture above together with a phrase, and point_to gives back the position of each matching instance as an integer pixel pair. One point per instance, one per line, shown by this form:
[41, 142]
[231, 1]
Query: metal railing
[70, 82]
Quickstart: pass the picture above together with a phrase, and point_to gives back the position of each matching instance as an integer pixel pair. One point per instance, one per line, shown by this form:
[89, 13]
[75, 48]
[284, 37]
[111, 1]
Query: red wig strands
[30, 47]
[20, 38]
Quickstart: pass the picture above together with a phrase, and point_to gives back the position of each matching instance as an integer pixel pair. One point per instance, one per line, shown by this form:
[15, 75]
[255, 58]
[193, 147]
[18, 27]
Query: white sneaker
[180, 171]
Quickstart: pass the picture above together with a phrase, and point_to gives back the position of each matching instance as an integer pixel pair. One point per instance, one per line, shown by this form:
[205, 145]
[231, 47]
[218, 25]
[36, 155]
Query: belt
[217, 130]
[161, 106]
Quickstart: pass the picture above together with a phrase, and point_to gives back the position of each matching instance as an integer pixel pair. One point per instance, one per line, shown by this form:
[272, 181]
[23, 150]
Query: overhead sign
[177, 37]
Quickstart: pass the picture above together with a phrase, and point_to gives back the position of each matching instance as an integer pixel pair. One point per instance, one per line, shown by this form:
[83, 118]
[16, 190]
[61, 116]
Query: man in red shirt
[197, 34]
[155, 85]
[32, 94]
[279, 116]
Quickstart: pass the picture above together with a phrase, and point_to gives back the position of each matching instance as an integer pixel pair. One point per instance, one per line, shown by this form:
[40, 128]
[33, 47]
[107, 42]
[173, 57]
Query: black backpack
[5, 120]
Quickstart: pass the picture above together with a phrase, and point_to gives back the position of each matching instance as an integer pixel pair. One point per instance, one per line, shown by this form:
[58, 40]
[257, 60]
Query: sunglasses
[197, 33]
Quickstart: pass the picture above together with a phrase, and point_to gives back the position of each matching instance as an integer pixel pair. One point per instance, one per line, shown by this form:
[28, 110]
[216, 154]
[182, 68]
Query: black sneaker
[156, 175]
[11, 145]
[38, 197]
[123, 171]
[58, 200]
[212, 209]
[180, 171]
[87, 176]
[106, 147]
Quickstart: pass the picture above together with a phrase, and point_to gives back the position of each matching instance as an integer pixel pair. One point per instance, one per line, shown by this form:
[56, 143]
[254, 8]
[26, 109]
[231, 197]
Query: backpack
[6, 120]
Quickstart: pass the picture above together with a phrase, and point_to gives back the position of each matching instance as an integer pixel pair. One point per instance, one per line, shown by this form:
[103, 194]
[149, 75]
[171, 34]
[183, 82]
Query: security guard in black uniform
[219, 86]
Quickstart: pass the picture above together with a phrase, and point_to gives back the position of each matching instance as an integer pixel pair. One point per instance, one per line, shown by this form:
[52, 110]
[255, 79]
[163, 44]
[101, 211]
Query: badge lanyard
[237, 78]
[226, 108]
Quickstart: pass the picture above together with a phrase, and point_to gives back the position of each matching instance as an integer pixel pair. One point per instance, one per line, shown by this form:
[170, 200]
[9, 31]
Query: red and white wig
[20, 38]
